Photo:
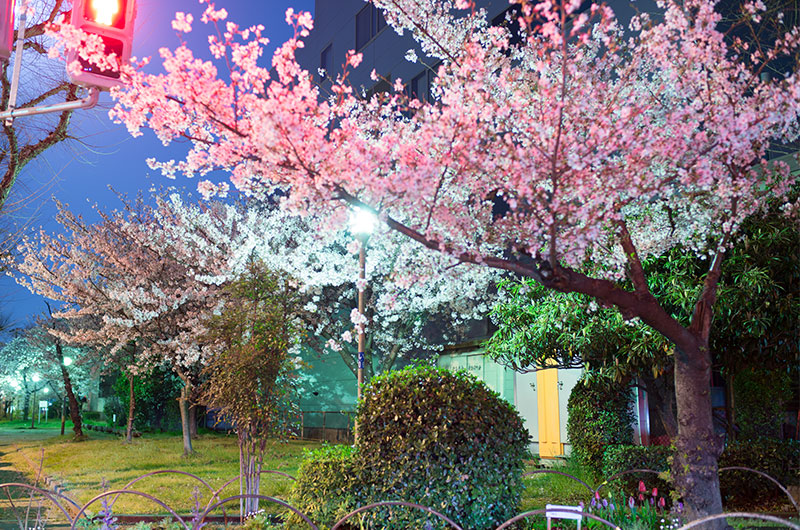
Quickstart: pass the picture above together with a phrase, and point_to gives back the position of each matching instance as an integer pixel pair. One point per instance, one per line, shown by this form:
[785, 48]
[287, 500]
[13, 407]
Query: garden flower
[605, 503]
[642, 487]
[655, 492]
[641, 497]
[630, 503]
[661, 502]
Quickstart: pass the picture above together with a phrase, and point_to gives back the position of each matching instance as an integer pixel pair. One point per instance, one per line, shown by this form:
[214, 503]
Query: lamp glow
[67, 361]
[362, 222]
[35, 378]
[45, 390]
[104, 11]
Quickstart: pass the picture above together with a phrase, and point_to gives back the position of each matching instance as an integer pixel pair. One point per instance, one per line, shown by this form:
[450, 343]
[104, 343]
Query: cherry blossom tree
[36, 351]
[398, 309]
[603, 146]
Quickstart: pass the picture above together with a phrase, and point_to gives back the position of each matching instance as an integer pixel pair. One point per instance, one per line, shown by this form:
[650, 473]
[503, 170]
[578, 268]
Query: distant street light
[362, 224]
[67, 361]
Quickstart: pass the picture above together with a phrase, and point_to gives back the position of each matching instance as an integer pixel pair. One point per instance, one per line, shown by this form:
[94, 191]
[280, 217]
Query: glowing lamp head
[45, 390]
[362, 222]
[104, 11]
[67, 361]
[35, 378]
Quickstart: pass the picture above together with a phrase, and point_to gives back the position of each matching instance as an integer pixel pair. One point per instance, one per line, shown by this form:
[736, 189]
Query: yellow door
[547, 404]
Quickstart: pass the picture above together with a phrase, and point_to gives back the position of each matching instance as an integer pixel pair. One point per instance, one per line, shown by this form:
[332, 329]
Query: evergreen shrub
[619, 458]
[777, 458]
[428, 436]
[327, 487]
[443, 440]
[599, 414]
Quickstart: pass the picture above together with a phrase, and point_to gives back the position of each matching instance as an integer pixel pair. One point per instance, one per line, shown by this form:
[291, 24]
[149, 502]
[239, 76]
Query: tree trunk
[63, 418]
[697, 447]
[74, 407]
[131, 410]
[26, 407]
[183, 405]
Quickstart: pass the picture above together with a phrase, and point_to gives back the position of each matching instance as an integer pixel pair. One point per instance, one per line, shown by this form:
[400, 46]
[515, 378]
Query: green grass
[82, 467]
[549, 488]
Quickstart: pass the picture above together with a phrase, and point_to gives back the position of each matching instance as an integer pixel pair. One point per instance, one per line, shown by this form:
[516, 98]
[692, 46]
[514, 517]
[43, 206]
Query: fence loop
[774, 480]
[396, 503]
[742, 515]
[199, 521]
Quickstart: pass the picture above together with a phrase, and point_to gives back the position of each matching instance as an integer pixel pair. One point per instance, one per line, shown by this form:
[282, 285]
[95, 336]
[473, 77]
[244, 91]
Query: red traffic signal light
[112, 21]
[6, 28]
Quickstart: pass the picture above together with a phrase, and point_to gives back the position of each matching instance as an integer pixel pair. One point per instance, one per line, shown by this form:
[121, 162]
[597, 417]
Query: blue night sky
[79, 172]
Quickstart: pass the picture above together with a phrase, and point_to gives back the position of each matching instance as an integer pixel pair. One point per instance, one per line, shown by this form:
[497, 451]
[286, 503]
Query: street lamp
[67, 361]
[362, 223]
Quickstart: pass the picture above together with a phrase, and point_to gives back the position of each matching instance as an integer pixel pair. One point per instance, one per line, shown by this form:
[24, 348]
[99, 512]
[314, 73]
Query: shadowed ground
[14, 503]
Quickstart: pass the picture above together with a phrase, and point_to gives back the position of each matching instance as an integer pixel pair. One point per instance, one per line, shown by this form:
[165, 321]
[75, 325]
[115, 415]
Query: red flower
[642, 487]
[661, 502]
[655, 492]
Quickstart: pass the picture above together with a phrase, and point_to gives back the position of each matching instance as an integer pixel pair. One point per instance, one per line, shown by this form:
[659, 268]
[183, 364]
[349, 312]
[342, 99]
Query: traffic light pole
[13, 112]
[83, 103]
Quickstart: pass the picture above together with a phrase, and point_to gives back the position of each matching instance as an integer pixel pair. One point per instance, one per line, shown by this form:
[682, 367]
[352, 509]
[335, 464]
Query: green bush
[443, 440]
[327, 486]
[427, 436]
[91, 415]
[760, 399]
[618, 458]
[599, 414]
[777, 458]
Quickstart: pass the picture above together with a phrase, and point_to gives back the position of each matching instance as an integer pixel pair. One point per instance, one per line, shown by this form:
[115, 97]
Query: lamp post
[362, 223]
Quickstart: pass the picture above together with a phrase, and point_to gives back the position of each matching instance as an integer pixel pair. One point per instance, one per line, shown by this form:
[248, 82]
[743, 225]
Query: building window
[326, 60]
[421, 86]
[369, 22]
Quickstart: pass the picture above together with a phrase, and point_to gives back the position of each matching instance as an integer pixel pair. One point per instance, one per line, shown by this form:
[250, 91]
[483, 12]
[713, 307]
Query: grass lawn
[82, 467]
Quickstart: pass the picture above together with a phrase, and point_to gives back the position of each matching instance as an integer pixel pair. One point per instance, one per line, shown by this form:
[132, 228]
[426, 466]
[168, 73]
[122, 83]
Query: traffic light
[6, 28]
[112, 21]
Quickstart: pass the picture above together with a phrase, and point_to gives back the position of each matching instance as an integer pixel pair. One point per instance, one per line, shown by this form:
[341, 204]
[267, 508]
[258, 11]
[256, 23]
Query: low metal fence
[328, 425]
[68, 512]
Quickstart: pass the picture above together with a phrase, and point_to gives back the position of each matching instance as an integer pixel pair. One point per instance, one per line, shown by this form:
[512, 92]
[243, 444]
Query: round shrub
[599, 414]
[443, 440]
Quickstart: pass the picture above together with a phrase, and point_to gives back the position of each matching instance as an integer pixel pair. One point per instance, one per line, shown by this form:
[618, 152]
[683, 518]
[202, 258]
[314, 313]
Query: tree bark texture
[183, 405]
[697, 447]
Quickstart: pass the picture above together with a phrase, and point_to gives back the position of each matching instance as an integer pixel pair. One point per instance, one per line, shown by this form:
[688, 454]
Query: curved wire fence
[81, 516]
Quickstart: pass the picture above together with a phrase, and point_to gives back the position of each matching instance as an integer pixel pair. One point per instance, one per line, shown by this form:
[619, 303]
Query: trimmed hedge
[778, 458]
[619, 458]
[599, 414]
[328, 486]
[427, 436]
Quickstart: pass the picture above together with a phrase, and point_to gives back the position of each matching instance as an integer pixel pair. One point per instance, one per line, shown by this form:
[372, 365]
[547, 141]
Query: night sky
[79, 172]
